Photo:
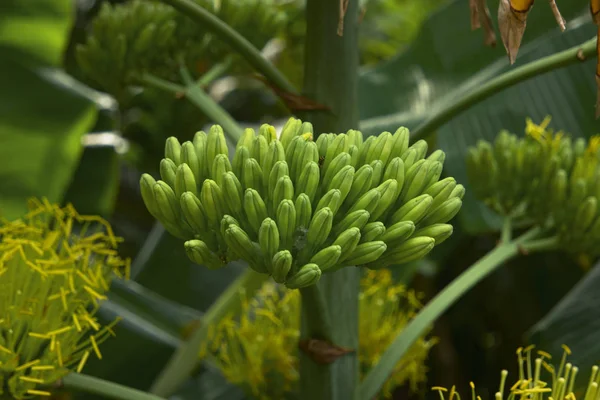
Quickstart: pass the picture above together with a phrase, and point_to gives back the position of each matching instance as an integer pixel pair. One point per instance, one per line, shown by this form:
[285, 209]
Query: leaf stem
[107, 389]
[186, 357]
[451, 109]
[506, 230]
[376, 378]
[239, 43]
[200, 99]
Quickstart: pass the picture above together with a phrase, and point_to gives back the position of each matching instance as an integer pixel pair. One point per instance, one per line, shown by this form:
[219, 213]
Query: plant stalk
[200, 99]
[331, 73]
[186, 358]
[239, 43]
[106, 389]
[579, 53]
[376, 378]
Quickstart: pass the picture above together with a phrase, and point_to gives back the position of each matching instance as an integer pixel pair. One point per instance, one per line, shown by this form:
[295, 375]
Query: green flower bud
[398, 233]
[355, 138]
[439, 232]
[281, 265]
[348, 240]
[443, 213]
[190, 157]
[337, 146]
[356, 219]
[232, 193]
[411, 250]
[220, 166]
[335, 166]
[327, 257]
[246, 140]
[331, 200]
[193, 212]
[173, 150]
[413, 210]
[286, 221]
[211, 198]
[168, 170]
[254, 208]
[284, 190]
[308, 182]
[253, 175]
[268, 237]
[400, 143]
[303, 211]
[258, 151]
[290, 130]
[147, 183]
[274, 154]
[342, 181]
[372, 231]
[361, 184]
[389, 194]
[319, 227]
[280, 169]
[365, 253]
[184, 181]
[215, 144]
[240, 157]
[199, 253]
[307, 275]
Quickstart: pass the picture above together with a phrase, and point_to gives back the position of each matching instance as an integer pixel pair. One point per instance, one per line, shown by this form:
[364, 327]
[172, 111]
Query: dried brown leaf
[322, 351]
[512, 23]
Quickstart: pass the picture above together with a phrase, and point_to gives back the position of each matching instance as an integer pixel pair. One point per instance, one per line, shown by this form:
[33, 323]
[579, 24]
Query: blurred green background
[62, 136]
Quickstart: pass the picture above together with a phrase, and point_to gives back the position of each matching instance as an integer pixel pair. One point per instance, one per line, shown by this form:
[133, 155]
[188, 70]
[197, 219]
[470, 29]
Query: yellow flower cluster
[533, 382]
[55, 268]
[257, 350]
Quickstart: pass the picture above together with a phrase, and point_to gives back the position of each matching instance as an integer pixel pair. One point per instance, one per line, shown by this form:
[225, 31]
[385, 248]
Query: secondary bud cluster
[55, 268]
[545, 176]
[294, 208]
[141, 36]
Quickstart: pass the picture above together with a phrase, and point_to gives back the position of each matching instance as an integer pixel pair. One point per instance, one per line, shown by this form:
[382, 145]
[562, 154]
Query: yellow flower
[538, 379]
[258, 349]
[385, 310]
[55, 268]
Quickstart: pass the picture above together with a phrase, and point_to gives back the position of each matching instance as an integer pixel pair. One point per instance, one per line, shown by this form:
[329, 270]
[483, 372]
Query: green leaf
[41, 120]
[40, 131]
[573, 321]
[449, 59]
[36, 30]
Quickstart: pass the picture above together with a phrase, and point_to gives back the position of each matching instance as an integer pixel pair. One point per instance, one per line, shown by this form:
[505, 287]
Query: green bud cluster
[545, 176]
[142, 36]
[295, 208]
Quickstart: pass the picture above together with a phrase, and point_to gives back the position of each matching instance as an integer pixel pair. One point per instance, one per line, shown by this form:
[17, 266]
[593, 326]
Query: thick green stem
[454, 107]
[239, 43]
[186, 357]
[376, 378]
[331, 72]
[106, 389]
[200, 99]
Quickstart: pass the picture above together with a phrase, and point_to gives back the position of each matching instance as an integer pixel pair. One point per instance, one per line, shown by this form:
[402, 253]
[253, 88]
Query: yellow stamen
[59, 331]
[38, 392]
[30, 379]
[27, 365]
[82, 361]
[94, 294]
[5, 350]
[43, 368]
[96, 349]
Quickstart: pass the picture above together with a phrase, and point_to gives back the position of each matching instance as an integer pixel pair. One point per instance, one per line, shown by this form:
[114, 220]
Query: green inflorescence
[546, 177]
[144, 36]
[293, 208]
